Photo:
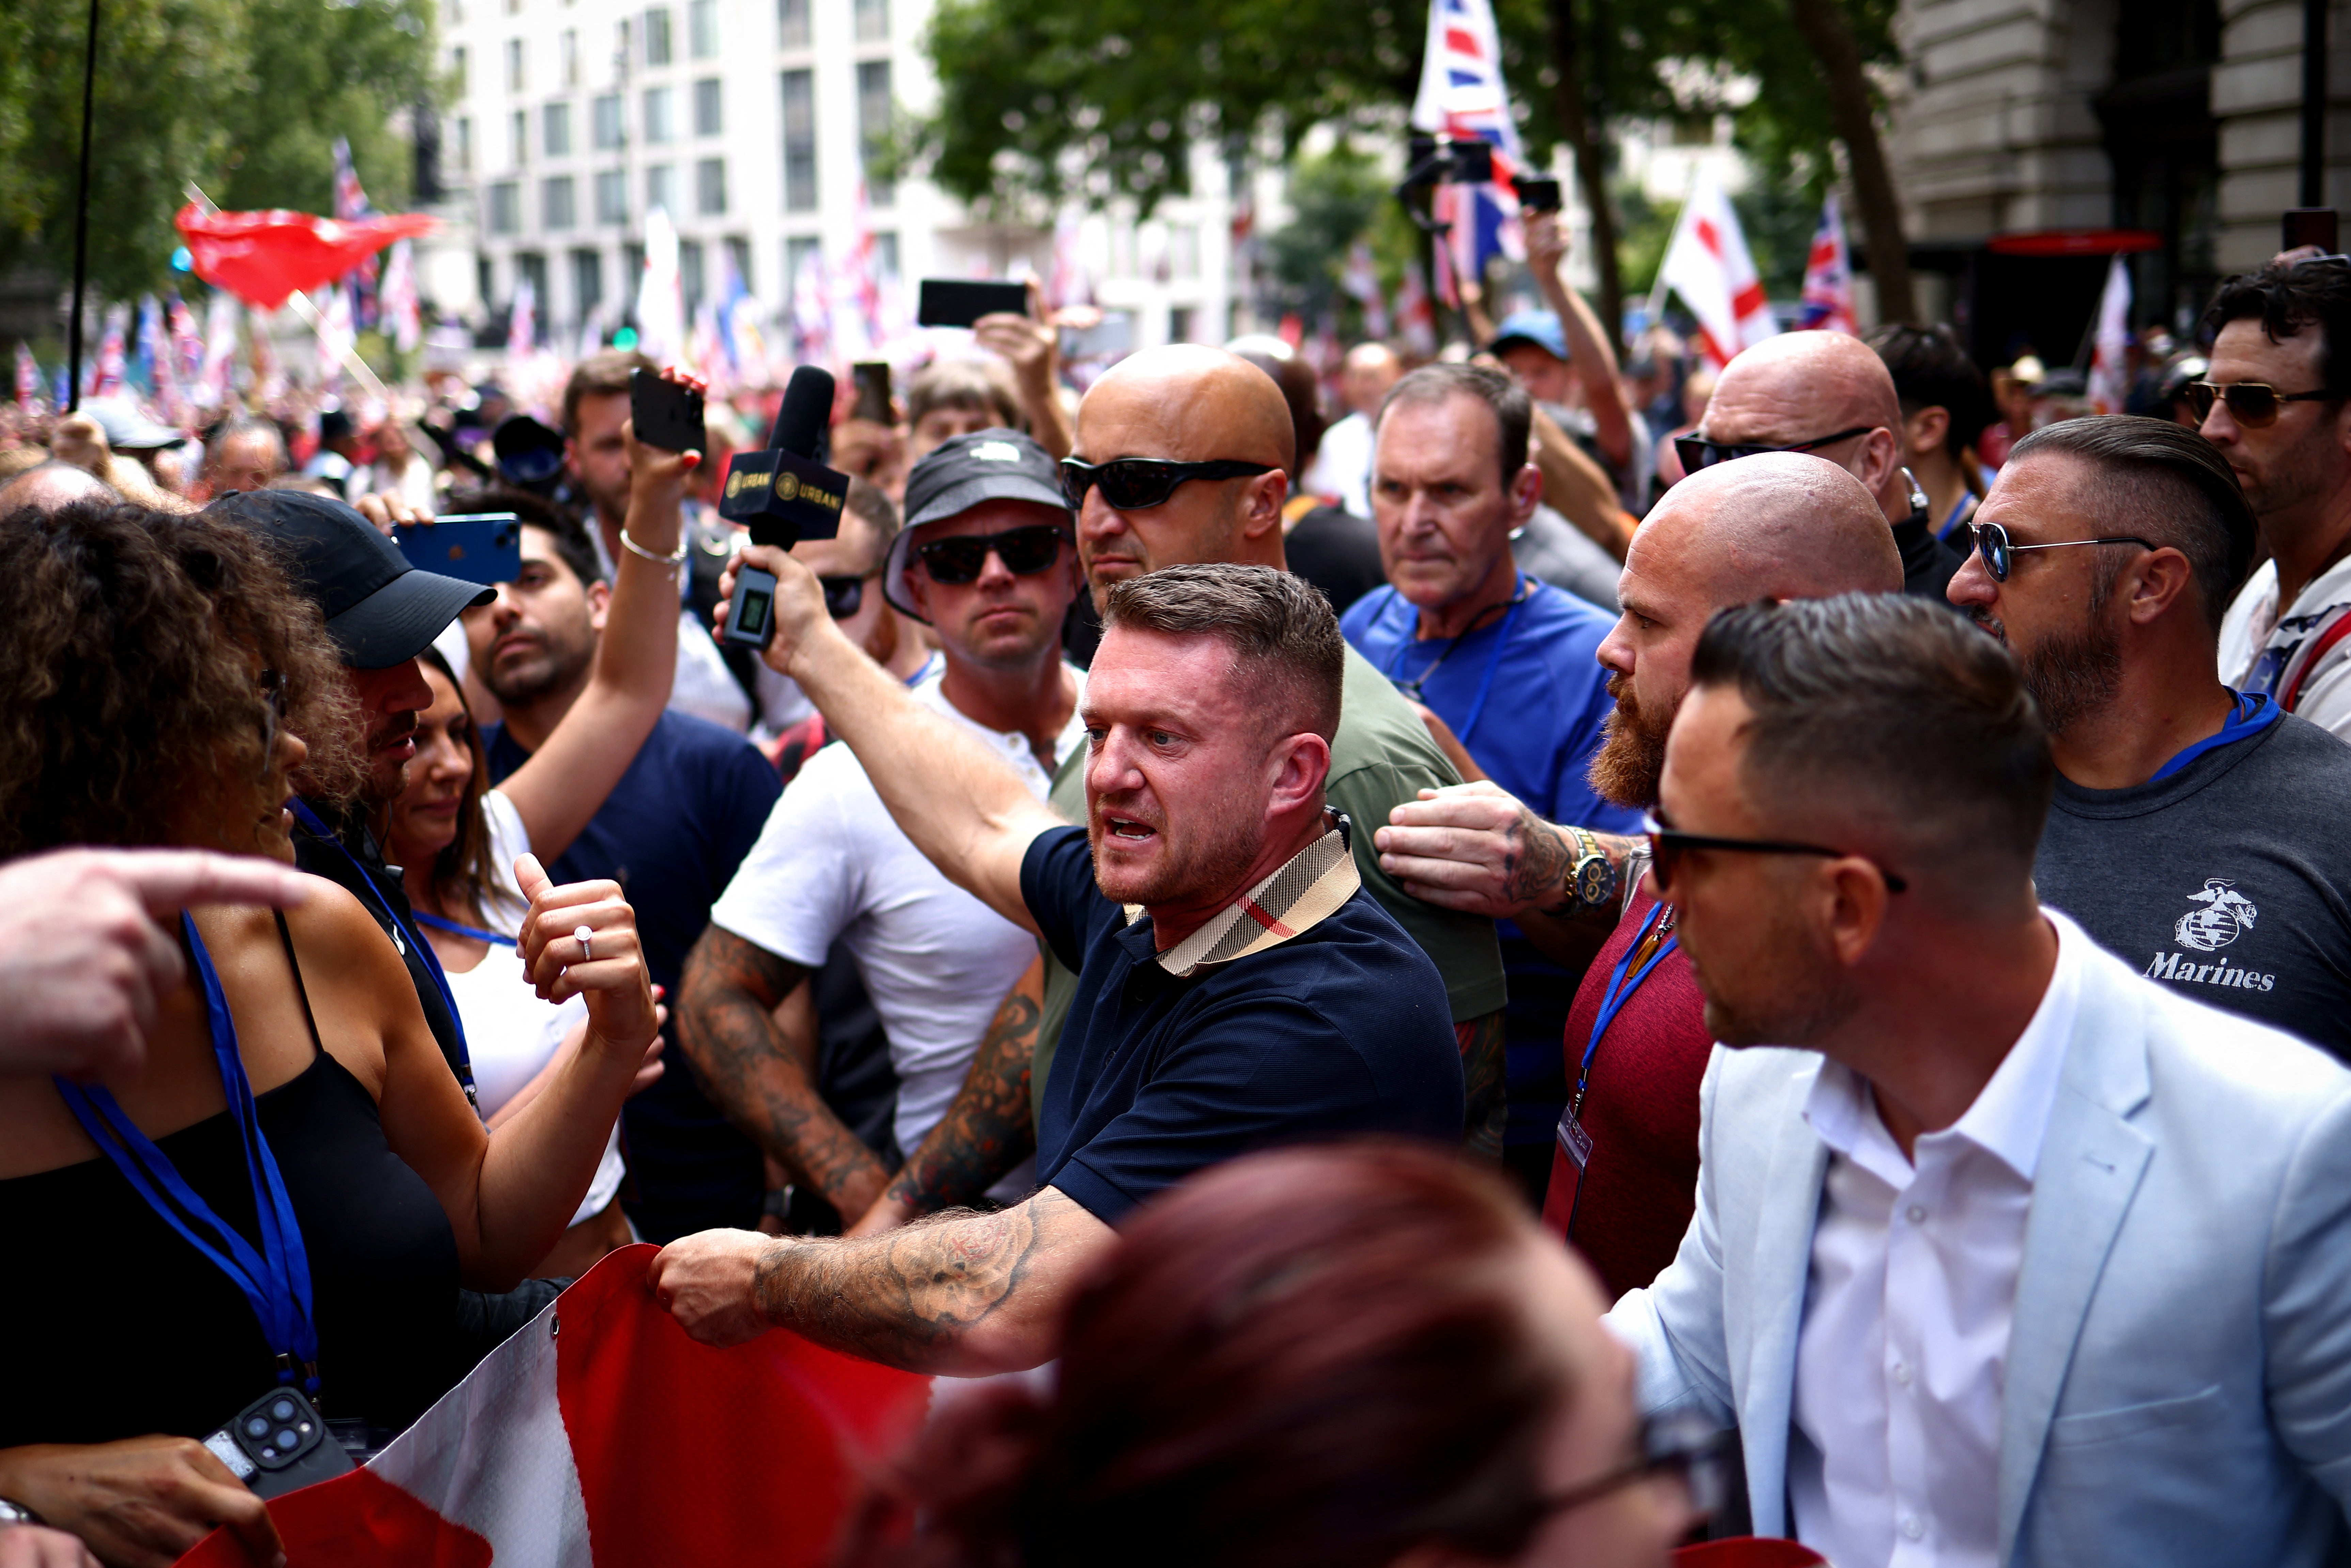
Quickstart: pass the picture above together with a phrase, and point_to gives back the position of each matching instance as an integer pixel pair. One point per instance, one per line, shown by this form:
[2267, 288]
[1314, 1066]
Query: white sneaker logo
[2224, 916]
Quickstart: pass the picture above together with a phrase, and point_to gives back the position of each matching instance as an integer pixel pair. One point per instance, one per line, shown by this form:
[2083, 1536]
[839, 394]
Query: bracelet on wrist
[634, 547]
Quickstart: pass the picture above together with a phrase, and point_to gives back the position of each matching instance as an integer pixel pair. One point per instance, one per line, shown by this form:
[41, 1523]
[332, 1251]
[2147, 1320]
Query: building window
[657, 48]
[710, 187]
[799, 142]
[689, 273]
[466, 143]
[632, 272]
[660, 122]
[519, 137]
[482, 278]
[873, 21]
[886, 255]
[555, 129]
[873, 127]
[506, 208]
[709, 117]
[514, 64]
[604, 123]
[568, 48]
[738, 252]
[558, 209]
[532, 267]
[797, 252]
[702, 29]
[792, 24]
[661, 188]
[612, 196]
[587, 281]
[457, 69]
[1179, 324]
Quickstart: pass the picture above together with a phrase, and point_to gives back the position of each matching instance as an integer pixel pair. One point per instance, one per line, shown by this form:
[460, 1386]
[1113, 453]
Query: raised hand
[798, 612]
[1475, 848]
[580, 939]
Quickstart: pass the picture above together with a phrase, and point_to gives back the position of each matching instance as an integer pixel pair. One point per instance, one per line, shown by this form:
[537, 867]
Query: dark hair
[1514, 411]
[1930, 369]
[572, 544]
[2163, 482]
[600, 375]
[130, 667]
[1304, 393]
[1280, 627]
[981, 386]
[464, 874]
[1888, 709]
[2288, 298]
[1308, 1358]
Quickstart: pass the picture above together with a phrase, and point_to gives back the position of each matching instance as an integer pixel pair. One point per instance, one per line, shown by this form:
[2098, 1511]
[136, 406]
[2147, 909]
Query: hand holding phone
[962, 301]
[666, 413]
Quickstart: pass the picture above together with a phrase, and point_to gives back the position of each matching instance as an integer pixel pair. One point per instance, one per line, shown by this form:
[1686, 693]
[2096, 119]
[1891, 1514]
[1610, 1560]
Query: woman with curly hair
[1359, 1355]
[292, 1187]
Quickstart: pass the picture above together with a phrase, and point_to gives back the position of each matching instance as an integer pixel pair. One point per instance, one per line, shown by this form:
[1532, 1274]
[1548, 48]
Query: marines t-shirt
[2227, 877]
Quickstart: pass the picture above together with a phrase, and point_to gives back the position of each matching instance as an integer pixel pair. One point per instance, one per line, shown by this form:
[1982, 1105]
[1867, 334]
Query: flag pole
[81, 219]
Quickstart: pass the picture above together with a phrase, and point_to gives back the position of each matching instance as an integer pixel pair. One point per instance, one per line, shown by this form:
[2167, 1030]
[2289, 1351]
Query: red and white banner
[1707, 264]
[601, 1434]
[2110, 360]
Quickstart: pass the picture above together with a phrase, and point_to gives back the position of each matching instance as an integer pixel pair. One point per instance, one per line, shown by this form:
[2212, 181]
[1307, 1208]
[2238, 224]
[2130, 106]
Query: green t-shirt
[1381, 756]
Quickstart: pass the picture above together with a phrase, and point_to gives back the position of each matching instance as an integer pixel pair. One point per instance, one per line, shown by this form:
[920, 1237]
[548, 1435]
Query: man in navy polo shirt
[1507, 661]
[1237, 988]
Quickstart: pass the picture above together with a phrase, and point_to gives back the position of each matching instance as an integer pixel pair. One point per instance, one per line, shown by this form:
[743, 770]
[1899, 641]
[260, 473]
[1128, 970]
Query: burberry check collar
[1307, 889]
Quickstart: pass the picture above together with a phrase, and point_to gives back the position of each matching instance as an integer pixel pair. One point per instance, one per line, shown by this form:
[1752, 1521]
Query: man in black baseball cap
[961, 474]
[381, 613]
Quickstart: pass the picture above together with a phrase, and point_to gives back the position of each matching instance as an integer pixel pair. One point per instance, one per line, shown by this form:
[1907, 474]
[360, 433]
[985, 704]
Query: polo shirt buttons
[1916, 1214]
[1902, 1373]
[1913, 1526]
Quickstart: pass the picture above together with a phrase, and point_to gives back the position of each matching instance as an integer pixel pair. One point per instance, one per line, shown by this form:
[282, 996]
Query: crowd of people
[1518, 959]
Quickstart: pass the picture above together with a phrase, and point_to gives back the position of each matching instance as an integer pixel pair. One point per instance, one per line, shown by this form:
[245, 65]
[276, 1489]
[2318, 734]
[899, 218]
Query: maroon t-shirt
[1641, 1113]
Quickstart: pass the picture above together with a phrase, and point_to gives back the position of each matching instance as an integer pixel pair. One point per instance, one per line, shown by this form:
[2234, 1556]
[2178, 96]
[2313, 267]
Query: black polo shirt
[1342, 1028]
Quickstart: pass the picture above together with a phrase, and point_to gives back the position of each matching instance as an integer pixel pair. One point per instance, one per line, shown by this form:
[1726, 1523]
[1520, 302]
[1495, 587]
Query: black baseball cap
[959, 475]
[379, 609]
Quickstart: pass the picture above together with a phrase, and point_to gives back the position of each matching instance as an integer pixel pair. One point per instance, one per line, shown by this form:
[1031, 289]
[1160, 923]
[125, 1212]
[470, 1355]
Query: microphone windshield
[806, 414]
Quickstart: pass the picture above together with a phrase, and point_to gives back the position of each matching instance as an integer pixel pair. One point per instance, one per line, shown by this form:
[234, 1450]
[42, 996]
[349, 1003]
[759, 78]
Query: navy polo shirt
[1342, 1028]
[671, 833]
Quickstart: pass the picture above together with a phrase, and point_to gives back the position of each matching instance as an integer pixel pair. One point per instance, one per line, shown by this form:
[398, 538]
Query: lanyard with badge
[1411, 689]
[403, 936]
[1650, 944]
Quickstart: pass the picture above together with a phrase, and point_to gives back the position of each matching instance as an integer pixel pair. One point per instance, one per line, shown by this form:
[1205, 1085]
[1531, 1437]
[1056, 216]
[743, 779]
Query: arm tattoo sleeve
[1485, 1079]
[988, 1130]
[907, 1298]
[762, 1083]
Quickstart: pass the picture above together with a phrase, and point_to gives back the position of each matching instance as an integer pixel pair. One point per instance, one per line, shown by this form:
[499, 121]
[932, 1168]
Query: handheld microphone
[785, 494]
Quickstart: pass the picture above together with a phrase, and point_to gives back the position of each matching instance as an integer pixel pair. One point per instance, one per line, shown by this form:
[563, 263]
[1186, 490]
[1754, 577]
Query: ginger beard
[1632, 755]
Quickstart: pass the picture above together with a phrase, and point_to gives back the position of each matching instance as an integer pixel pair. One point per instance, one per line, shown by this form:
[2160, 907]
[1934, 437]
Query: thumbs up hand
[580, 939]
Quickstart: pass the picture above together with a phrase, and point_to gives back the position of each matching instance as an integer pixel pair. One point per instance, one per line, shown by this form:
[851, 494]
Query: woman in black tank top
[172, 682]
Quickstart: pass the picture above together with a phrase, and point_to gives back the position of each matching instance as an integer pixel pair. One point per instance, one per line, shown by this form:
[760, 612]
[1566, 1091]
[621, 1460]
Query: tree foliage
[243, 97]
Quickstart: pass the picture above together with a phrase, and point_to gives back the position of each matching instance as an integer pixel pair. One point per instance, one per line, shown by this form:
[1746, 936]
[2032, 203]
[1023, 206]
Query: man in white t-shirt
[989, 557]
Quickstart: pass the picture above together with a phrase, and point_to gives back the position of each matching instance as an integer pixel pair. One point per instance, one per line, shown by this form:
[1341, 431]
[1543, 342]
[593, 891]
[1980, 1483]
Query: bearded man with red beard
[1624, 1164]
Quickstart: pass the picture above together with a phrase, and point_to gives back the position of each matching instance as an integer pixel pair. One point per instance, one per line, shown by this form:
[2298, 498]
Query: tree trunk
[1824, 27]
[1591, 166]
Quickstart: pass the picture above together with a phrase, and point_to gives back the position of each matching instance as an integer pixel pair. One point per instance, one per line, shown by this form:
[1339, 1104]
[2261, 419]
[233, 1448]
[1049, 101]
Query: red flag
[600, 1434]
[262, 257]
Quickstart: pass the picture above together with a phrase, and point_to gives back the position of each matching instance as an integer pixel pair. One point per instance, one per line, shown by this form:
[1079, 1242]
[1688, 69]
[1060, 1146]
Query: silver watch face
[1595, 880]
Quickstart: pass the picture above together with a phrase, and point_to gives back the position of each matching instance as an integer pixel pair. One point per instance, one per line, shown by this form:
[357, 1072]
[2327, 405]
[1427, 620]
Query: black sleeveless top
[118, 1328]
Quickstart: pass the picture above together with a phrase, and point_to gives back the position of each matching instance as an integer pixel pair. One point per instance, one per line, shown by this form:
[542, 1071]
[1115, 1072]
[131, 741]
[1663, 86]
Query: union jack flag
[1828, 277]
[1462, 94]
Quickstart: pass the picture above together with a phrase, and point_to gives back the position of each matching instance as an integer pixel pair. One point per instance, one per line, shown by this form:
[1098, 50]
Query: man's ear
[1854, 895]
[1262, 499]
[2157, 583]
[599, 603]
[1526, 495]
[1298, 764]
[1927, 429]
[1881, 454]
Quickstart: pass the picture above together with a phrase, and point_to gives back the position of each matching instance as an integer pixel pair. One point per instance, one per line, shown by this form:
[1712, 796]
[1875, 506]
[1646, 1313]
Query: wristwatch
[1591, 880]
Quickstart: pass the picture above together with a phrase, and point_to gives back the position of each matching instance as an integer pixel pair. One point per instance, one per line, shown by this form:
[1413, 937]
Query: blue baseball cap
[1540, 328]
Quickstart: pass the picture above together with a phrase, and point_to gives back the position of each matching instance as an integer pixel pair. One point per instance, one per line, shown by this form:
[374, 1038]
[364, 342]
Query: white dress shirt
[1903, 1354]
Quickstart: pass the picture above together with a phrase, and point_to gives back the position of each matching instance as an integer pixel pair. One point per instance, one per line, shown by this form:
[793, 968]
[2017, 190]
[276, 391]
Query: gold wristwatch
[1591, 877]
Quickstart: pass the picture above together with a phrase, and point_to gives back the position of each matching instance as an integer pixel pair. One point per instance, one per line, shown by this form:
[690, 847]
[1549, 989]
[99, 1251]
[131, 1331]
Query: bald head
[1798, 387]
[52, 485]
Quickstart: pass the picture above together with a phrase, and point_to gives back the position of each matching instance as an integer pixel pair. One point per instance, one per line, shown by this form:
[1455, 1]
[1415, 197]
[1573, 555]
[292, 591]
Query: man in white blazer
[2003, 1255]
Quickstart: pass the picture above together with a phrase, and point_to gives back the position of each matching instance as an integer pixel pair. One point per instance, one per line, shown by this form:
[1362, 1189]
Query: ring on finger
[584, 935]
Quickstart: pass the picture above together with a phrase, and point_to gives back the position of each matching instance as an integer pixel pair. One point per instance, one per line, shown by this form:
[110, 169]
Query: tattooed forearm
[1486, 1083]
[763, 1080]
[988, 1130]
[916, 1297]
[1537, 862]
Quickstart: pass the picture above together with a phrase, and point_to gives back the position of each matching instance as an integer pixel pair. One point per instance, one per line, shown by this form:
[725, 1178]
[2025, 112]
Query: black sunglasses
[1682, 1443]
[1024, 552]
[1137, 484]
[1999, 555]
[1697, 452]
[2253, 404]
[844, 596]
[1668, 845]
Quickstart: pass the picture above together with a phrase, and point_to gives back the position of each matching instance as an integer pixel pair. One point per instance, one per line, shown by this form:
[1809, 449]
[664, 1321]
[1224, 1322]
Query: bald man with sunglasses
[1180, 459]
[1830, 395]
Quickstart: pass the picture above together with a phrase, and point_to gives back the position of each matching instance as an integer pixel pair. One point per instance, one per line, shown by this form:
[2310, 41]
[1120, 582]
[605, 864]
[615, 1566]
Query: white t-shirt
[830, 862]
[509, 1032]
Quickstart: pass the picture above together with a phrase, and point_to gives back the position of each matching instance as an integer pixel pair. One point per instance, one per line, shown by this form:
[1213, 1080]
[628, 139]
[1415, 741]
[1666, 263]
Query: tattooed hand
[1474, 847]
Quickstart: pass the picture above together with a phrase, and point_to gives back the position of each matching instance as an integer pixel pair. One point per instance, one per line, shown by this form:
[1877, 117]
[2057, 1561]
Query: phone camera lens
[286, 1441]
[256, 1428]
[283, 1410]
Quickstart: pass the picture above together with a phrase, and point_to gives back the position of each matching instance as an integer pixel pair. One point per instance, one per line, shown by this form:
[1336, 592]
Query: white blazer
[2179, 1379]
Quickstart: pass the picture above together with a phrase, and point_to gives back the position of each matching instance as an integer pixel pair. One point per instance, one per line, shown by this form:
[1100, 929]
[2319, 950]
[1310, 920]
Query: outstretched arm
[762, 1079]
[987, 1130]
[1477, 847]
[968, 811]
[1589, 352]
[961, 1293]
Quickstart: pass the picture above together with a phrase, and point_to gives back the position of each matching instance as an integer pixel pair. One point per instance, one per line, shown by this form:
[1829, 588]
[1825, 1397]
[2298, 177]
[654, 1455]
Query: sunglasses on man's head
[1024, 551]
[2253, 404]
[1137, 484]
[844, 595]
[1668, 845]
[1999, 553]
[1697, 452]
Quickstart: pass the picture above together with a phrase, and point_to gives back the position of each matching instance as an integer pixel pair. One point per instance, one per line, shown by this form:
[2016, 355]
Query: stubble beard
[1631, 760]
[1214, 861]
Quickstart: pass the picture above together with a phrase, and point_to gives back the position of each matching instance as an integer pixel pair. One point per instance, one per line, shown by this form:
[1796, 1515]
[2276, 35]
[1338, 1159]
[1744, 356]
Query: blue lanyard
[276, 1281]
[1957, 508]
[475, 932]
[2251, 713]
[1619, 991]
[423, 949]
[1493, 660]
